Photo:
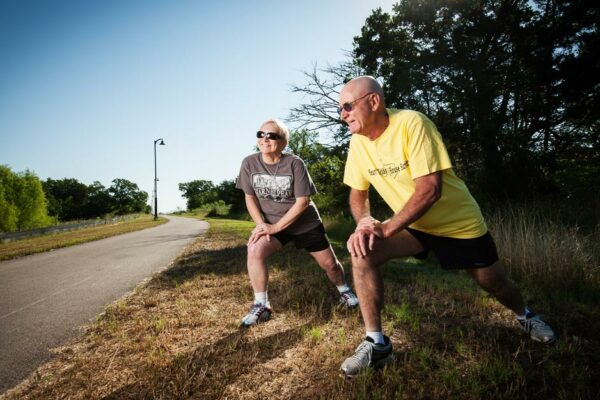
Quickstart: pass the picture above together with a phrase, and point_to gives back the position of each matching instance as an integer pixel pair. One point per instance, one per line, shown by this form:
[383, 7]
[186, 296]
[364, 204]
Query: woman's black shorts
[312, 240]
[457, 253]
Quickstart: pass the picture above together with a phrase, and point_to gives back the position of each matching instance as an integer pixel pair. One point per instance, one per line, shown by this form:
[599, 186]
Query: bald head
[364, 84]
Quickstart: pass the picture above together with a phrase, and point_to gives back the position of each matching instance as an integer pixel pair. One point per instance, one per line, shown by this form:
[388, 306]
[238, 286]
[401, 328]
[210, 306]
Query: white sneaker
[348, 299]
[537, 329]
[368, 355]
[258, 313]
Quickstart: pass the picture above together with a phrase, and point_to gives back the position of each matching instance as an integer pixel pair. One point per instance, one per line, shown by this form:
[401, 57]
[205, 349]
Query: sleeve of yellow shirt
[426, 151]
[353, 175]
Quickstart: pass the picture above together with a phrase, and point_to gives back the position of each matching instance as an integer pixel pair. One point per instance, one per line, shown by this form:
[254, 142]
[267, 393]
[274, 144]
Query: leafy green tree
[198, 192]
[67, 198]
[512, 86]
[227, 192]
[99, 202]
[22, 201]
[9, 213]
[127, 197]
[497, 77]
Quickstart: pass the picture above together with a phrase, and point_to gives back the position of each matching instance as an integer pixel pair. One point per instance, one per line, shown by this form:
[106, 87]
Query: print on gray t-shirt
[276, 188]
[272, 187]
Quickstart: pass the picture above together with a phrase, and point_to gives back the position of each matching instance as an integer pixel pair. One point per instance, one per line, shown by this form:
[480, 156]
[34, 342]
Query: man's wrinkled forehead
[348, 92]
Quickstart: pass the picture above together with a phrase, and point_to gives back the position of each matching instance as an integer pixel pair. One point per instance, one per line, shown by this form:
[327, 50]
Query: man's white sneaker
[368, 355]
[537, 329]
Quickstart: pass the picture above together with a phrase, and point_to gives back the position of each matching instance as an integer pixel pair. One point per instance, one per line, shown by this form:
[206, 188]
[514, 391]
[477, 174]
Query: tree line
[514, 88]
[26, 202]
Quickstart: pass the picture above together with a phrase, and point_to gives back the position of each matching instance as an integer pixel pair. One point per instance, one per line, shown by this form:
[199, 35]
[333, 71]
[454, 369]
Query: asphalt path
[45, 298]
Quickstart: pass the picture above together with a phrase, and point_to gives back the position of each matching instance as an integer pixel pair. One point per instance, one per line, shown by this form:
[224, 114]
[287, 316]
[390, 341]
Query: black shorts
[312, 240]
[457, 253]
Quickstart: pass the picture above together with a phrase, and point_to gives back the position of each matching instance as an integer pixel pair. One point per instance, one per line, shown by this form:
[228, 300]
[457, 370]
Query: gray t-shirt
[277, 186]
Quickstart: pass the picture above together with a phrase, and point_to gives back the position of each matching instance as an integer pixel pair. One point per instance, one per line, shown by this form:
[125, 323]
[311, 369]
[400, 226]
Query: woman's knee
[256, 252]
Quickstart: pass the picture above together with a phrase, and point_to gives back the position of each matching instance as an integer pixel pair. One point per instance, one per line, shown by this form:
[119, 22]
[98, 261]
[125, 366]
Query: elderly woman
[277, 188]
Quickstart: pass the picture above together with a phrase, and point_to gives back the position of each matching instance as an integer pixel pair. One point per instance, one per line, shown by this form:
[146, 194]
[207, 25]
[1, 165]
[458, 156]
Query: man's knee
[361, 265]
[491, 278]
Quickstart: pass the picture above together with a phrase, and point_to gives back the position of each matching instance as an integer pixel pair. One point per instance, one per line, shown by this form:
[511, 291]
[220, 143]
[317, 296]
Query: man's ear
[375, 101]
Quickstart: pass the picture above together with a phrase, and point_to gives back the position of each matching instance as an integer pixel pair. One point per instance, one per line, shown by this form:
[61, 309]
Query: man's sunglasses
[268, 135]
[350, 105]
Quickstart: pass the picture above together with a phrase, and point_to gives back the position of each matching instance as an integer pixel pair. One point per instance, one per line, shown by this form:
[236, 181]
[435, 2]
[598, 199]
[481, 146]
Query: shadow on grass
[210, 369]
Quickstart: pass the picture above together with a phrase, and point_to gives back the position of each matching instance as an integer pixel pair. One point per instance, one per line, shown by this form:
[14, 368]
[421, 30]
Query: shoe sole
[549, 341]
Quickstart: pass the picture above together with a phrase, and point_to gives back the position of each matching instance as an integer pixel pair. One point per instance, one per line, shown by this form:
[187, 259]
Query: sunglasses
[350, 105]
[268, 135]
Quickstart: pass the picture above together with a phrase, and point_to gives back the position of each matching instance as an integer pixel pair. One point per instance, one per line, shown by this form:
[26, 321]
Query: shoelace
[362, 348]
[257, 309]
[534, 322]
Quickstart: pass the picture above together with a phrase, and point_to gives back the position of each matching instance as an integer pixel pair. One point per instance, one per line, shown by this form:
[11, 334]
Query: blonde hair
[283, 130]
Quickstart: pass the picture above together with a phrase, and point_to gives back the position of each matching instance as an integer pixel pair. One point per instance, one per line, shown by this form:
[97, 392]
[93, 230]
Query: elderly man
[401, 153]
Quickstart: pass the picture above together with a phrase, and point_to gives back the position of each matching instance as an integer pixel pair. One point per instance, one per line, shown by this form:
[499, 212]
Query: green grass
[178, 336]
[39, 244]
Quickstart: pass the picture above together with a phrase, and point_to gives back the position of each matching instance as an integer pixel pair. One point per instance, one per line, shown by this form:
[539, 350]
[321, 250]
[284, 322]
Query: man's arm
[359, 204]
[428, 190]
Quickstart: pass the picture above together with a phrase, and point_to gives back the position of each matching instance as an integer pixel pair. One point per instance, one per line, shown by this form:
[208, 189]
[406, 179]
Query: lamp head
[162, 142]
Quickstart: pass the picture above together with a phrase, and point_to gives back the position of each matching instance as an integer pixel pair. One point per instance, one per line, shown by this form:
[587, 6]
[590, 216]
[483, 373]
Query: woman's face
[267, 146]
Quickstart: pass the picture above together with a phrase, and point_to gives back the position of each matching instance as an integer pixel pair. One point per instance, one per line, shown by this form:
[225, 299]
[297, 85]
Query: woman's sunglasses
[268, 135]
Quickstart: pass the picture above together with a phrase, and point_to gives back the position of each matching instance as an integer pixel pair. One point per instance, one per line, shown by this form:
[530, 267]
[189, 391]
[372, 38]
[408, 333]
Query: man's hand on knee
[361, 242]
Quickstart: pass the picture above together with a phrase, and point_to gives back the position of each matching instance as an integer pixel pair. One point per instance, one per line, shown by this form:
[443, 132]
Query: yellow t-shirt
[410, 147]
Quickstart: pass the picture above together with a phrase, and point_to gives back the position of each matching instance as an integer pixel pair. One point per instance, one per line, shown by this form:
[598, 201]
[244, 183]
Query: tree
[198, 192]
[9, 213]
[22, 201]
[67, 198]
[127, 197]
[227, 192]
[322, 88]
[512, 86]
[99, 202]
[494, 76]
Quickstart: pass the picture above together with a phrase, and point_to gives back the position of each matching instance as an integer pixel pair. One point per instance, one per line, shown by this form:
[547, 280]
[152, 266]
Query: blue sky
[87, 86]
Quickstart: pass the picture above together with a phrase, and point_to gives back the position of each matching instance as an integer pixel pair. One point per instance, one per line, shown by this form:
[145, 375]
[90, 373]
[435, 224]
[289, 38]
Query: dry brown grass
[40, 244]
[178, 337]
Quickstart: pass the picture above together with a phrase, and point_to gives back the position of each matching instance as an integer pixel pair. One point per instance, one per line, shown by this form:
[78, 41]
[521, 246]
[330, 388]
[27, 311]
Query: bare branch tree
[320, 110]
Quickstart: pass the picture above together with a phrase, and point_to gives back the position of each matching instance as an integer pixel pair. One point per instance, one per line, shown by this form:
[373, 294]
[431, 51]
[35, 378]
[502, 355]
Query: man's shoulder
[406, 116]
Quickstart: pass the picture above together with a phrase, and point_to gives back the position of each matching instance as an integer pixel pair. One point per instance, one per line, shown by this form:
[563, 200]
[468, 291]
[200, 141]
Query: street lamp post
[162, 143]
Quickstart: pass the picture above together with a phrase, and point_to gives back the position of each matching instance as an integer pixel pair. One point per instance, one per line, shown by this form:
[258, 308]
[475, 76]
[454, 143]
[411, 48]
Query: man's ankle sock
[377, 337]
[524, 316]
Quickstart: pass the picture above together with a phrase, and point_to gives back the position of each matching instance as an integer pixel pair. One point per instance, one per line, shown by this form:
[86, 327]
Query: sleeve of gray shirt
[303, 184]
[243, 180]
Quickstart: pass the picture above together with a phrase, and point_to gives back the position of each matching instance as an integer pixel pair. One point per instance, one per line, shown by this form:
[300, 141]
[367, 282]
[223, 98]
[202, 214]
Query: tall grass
[535, 247]
[178, 337]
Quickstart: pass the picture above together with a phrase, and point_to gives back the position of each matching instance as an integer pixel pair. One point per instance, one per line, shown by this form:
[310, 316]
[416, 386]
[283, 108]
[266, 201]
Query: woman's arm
[253, 208]
[290, 216]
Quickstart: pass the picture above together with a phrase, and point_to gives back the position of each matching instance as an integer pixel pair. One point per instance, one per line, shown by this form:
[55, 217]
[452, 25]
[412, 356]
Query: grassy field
[178, 336]
[40, 244]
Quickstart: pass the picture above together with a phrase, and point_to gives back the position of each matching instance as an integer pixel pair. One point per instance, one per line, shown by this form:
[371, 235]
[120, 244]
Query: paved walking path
[45, 298]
